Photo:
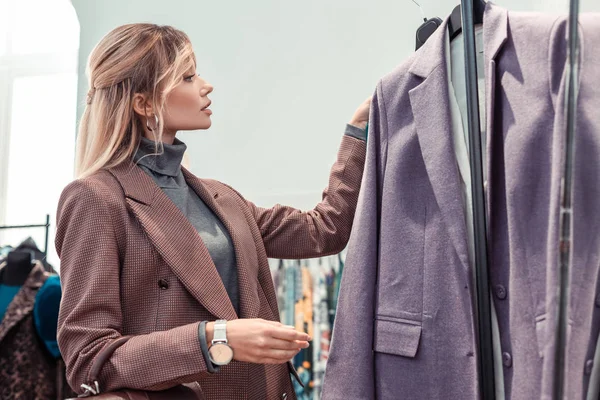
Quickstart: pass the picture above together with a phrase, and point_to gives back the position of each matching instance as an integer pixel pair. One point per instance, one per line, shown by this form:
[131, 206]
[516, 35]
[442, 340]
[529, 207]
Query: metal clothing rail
[566, 205]
[46, 225]
[484, 311]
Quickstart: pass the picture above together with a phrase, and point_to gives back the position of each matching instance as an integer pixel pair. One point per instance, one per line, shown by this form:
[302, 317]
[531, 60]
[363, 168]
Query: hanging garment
[582, 362]
[310, 313]
[523, 123]
[322, 327]
[405, 318]
[303, 322]
[30, 368]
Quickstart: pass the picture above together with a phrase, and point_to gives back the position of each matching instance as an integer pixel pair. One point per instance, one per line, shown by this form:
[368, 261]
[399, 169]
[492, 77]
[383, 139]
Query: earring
[148, 123]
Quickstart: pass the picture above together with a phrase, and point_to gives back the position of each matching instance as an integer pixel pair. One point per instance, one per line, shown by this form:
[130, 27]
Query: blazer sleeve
[90, 314]
[289, 233]
[349, 372]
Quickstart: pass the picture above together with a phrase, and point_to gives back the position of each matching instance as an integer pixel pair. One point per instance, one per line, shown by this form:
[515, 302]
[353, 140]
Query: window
[39, 41]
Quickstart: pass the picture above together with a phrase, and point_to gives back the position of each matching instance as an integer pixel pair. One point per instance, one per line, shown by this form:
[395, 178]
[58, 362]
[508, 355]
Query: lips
[205, 107]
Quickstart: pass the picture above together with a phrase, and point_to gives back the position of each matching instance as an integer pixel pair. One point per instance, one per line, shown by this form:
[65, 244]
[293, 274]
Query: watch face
[220, 354]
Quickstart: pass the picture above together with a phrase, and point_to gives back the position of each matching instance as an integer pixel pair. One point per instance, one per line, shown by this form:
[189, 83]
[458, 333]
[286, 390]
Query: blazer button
[589, 365]
[507, 359]
[284, 396]
[163, 284]
[500, 292]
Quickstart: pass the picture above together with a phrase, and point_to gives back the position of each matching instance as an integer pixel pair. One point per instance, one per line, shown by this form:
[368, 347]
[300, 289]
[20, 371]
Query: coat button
[598, 300]
[589, 365]
[500, 292]
[284, 396]
[163, 284]
[507, 359]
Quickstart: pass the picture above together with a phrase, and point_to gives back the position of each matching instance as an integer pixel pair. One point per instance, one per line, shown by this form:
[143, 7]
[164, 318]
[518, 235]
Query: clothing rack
[45, 225]
[484, 311]
[309, 288]
[566, 209]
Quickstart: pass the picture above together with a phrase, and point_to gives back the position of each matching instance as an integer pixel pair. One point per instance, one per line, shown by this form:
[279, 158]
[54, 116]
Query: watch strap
[220, 331]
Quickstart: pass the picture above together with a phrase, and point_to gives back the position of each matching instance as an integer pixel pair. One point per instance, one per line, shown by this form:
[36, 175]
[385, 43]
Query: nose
[206, 89]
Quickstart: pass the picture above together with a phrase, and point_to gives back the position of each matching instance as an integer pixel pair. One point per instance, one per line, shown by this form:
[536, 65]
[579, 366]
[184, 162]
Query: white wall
[287, 76]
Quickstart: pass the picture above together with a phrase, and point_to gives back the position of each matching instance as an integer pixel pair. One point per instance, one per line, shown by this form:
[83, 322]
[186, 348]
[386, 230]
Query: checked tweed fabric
[132, 264]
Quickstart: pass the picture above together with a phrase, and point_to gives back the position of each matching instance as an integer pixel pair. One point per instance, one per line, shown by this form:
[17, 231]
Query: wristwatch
[220, 352]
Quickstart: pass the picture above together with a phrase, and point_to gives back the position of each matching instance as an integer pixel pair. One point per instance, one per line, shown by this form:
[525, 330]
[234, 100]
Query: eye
[189, 78]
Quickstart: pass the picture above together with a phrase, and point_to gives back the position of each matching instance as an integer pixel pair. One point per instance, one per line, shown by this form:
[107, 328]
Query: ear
[142, 105]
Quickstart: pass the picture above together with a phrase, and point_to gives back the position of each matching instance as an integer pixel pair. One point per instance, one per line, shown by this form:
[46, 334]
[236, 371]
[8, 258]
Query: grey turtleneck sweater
[165, 170]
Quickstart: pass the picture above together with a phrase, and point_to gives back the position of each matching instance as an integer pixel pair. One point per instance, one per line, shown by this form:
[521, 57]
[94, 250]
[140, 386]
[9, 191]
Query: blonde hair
[135, 58]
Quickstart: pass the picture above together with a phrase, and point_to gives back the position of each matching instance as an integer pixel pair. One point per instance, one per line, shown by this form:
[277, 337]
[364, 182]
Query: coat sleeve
[90, 314]
[289, 233]
[349, 372]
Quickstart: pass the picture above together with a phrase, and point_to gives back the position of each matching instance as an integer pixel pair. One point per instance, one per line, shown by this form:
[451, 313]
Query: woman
[176, 263]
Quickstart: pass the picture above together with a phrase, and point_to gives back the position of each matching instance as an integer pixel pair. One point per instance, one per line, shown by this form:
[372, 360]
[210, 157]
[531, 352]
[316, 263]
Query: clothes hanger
[455, 21]
[426, 29]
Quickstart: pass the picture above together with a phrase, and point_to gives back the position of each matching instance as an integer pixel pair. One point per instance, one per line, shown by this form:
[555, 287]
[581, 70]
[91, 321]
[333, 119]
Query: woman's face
[187, 106]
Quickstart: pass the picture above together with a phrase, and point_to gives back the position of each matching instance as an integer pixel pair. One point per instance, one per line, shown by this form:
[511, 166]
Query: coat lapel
[229, 213]
[434, 127]
[176, 240]
[431, 110]
[24, 301]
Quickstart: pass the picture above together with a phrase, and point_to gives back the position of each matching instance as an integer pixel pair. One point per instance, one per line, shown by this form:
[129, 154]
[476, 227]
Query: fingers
[302, 344]
[290, 334]
[270, 343]
[280, 356]
[279, 324]
[287, 345]
[274, 323]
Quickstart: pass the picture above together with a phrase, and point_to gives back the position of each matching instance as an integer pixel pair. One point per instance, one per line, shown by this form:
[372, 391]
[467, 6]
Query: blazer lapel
[431, 110]
[229, 213]
[176, 240]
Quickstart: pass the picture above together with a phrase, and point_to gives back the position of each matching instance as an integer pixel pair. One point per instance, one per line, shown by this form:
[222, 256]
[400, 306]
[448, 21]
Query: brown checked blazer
[132, 264]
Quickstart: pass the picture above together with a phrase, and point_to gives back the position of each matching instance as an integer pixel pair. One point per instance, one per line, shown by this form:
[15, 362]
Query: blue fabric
[7, 293]
[45, 313]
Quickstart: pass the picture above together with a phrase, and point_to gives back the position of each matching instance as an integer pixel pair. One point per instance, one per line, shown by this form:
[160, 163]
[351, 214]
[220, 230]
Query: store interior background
[287, 78]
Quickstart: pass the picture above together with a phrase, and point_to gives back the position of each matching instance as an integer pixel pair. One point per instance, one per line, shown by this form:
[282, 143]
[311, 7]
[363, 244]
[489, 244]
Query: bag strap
[103, 356]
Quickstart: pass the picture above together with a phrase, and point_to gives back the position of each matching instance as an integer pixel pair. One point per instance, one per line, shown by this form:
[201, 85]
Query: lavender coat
[405, 322]
[584, 307]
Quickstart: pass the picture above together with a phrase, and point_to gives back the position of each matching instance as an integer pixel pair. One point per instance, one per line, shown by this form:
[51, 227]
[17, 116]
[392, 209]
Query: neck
[17, 269]
[168, 137]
